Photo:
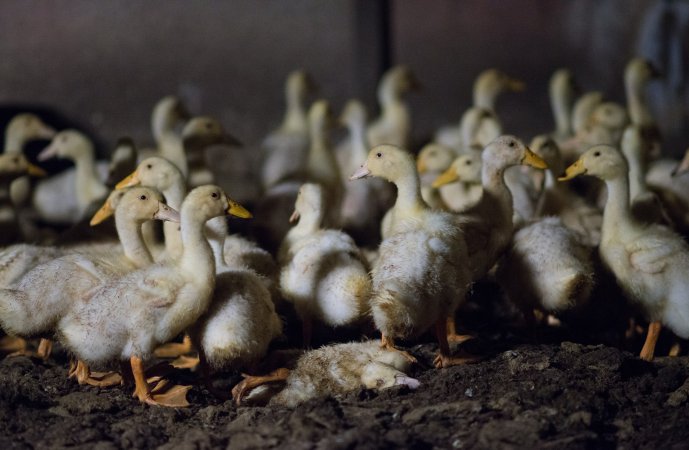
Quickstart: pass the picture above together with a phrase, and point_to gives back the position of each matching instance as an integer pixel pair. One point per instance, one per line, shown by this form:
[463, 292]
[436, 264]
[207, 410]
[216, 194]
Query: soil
[547, 388]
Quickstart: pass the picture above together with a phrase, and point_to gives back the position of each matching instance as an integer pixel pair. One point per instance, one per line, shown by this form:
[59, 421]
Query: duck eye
[143, 197]
[596, 154]
[378, 155]
[468, 163]
[149, 166]
[214, 195]
[511, 144]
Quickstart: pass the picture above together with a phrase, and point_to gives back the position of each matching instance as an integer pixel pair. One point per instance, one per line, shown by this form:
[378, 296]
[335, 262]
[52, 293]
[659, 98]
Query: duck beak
[237, 210]
[103, 213]
[165, 213]
[48, 153]
[515, 85]
[421, 166]
[46, 132]
[131, 180]
[574, 170]
[35, 171]
[533, 160]
[447, 177]
[294, 217]
[361, 172]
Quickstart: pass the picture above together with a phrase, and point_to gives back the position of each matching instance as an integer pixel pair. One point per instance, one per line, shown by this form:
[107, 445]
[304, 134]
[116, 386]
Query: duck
[284, 150]
[13, 166]
[556, 199]
[155, 303]
[55, 200]
[581, 118]
[638, 73]
[31, 306]
[648, 260]
[393, 126]
[323, 273]
[480, 124]
[433, 159]
[329, 370]
[231, 251]
[365, 203]
[467, 184]
[546, 267]
[198, 134]
[421, 274]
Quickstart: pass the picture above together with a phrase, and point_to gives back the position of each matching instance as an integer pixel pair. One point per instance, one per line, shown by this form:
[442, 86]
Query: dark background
[104, 64]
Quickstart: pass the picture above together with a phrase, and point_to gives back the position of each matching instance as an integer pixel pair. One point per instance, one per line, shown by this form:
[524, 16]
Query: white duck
[562, 91]
[57, 201]
[393, 126]
[154, 304]
[649, 261]
[365, 203]
[13, 166]
[31, 305]
[323, 272]
[546, 267]
[465, 182]
[421, 274]
[198, 135]
[637, 75]
[434, 159]
[284, 150]
[331, 370]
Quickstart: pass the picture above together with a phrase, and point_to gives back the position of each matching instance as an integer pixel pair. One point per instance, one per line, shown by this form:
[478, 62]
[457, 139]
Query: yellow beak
[447, 177]
[533, 160]
[131, 180]
[237, 210]
[294, 217]
[103, 213]
[574, 170]
[36, 171]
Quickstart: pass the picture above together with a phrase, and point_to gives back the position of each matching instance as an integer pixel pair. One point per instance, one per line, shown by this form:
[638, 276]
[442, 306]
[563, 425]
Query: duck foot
[452, 335]
[250, 382]
[651, 338]
[174, 349]
[389, 344]
[675, 350]
[80, 370]
[45, 348]
[12, 345]
[185, 362]
[460, 357]
[164, 393]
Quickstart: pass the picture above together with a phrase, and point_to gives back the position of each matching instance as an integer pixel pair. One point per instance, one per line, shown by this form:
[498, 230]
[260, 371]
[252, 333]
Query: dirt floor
[550, 387]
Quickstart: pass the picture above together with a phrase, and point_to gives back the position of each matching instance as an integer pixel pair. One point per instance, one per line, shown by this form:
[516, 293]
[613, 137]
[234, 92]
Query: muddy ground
[547, 388]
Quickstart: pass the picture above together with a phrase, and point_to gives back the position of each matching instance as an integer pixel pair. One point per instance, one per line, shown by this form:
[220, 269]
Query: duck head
[602, 161]
[309, 202]
[16, 165]
[28, 126]
[155, 171]
[466, 168]
[204, 131]
[210, 201]
[137, 204]
[70, 144]
[506, 151]
[434, 158]
[353, 114]
[386, 161]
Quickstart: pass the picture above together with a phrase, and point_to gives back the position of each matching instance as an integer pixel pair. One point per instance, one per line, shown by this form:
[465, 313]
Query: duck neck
[637, 181]
[14, 142]
[561, 103]
[494, 188]
[394, 109]
[295, 114]
[171, 147]
[197, 262]
[88, 185]
[485, 98]
[636, 103]
[409, 198]
[617, 213]
[162, 122]
[216, 233]
[174, 195]
[357, 137]
[131, 238]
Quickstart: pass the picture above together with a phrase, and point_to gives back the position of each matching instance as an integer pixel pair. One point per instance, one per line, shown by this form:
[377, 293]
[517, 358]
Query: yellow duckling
[649, 261]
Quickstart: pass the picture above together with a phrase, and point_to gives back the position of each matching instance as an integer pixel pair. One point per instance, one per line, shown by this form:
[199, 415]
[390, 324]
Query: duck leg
[165, 395]
[651, 339]
[452, 335]
[11, 344]
[388, 343]
[250, 382]
[174, 349]
[445, 358]
[45, 347]
[83, 374]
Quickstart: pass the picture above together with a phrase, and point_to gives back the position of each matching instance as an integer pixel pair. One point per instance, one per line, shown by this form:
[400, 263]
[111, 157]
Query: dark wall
[106, 62]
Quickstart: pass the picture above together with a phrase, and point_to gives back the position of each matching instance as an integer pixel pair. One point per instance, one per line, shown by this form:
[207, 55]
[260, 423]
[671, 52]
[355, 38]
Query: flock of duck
[476, 203]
